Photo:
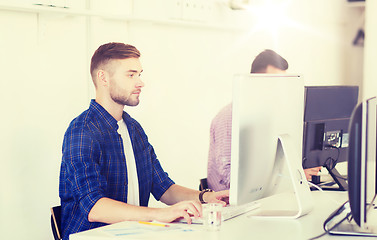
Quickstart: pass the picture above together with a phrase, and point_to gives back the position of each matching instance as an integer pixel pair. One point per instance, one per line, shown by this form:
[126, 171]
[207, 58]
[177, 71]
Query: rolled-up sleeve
[161, 180]
[80, 156]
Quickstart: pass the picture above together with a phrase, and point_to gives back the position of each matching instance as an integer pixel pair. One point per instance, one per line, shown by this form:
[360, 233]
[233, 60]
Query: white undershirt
[133, 186]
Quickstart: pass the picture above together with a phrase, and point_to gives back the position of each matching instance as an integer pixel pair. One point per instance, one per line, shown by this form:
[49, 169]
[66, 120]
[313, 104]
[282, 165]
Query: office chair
[56, 222]
[203, 184]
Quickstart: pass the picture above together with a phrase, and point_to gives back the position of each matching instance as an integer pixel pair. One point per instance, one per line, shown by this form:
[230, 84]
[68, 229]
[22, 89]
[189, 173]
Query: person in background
[109, 168]
[218, 171]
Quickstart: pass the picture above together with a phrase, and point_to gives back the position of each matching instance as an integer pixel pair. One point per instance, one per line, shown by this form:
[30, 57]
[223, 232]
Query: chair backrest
[56, 222]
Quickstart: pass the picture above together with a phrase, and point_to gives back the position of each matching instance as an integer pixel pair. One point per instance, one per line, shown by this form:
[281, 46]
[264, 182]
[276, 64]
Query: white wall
[370, 83]
[43, 86]
[45, 83]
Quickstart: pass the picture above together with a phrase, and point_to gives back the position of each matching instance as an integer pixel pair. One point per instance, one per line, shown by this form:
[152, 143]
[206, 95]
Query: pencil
[155, 224]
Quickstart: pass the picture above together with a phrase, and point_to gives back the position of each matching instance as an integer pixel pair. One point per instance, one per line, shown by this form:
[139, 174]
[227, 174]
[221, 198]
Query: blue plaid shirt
[94, 166]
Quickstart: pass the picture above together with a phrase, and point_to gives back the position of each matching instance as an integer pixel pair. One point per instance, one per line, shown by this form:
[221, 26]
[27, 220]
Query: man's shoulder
[82, 120]
[224, 114]
[87, 121]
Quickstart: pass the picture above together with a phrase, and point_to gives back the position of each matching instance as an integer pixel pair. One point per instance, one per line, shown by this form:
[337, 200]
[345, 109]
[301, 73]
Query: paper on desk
[136, 229]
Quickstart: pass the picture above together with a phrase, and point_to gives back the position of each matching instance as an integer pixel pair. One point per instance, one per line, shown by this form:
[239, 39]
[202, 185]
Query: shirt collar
[104, 115]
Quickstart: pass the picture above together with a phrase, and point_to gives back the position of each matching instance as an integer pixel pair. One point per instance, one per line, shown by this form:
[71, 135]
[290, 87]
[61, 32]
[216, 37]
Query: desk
[246, 227]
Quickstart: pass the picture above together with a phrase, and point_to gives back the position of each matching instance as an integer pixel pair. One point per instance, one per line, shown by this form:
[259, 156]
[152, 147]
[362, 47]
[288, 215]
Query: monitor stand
[342, 183]
[352, 229]
[341, 223]
[287, 163]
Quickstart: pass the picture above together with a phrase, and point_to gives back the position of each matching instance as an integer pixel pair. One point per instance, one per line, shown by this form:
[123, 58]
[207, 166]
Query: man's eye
[134, 75]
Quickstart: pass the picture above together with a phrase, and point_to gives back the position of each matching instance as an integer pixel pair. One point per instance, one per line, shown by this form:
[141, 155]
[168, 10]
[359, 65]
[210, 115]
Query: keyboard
[228, 212]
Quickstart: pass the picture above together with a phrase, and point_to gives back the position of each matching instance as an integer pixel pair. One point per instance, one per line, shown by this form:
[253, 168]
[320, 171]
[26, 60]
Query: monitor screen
[362, 160]
[326, 118]
[362, 174]
[265, 108]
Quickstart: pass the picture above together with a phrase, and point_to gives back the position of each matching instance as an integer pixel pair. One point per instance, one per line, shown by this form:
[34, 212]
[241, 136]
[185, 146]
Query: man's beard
[123, 100]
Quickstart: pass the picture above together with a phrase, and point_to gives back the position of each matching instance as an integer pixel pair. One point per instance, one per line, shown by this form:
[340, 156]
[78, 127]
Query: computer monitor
[266, 150]
[362, 171]
[326, 117]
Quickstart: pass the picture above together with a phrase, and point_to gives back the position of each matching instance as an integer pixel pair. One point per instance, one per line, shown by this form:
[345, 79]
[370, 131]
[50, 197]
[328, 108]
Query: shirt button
[125, 183]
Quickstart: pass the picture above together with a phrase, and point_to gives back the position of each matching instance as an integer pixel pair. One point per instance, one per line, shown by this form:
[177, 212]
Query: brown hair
[110, 51]
[268, 57]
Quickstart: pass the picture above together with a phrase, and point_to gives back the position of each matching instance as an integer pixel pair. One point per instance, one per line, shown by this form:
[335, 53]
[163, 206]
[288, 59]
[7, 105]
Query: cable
[333, 161]
[321, 190]
[316, 186]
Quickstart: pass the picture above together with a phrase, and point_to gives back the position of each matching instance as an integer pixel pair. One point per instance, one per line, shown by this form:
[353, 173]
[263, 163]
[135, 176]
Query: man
[218, 174]
[108, 167]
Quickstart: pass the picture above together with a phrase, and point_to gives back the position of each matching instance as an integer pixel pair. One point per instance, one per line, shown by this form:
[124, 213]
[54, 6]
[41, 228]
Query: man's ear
[102, 78]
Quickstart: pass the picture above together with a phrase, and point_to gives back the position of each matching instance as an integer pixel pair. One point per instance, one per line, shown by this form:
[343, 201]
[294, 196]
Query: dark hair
[265, 58]
[110, 51]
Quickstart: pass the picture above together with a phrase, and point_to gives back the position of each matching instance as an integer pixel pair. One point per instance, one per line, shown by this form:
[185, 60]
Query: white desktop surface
[246, 227]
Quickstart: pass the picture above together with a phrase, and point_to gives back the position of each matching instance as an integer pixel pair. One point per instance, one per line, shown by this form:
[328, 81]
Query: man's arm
[184, 201]
[107, 210]
[177, 193]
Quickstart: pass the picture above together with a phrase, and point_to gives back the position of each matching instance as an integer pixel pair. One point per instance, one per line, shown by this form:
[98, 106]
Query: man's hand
[309, 172]
[184, 209]
[217, 197]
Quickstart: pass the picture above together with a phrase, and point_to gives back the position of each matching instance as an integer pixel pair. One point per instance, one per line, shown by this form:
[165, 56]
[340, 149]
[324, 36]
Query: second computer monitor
[327, 114]
[362, 171]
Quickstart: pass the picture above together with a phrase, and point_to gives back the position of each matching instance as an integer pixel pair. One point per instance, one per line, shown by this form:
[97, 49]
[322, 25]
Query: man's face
[124, 81]
[273, 70]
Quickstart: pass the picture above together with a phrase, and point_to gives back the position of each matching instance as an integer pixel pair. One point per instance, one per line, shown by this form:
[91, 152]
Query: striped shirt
[94, 166]
[218, 175]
